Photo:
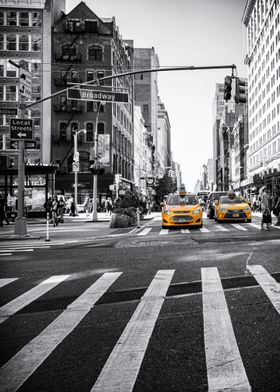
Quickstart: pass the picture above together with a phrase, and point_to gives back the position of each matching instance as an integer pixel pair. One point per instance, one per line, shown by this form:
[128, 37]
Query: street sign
[21, 128]
[76, 156]
[76, 166]
[8, 111]
[96, 95]
[25, 83]
[112, 187]
[28, 145]
[150, 181]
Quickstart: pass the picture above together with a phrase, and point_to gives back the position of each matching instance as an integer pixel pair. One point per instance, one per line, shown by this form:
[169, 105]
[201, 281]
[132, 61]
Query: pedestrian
[72, 208]
[61, 209]
[108, 206]
[264, 205]
[48, 208]
[254, 203]
[3, 211]
[55, 211]
[276, 207]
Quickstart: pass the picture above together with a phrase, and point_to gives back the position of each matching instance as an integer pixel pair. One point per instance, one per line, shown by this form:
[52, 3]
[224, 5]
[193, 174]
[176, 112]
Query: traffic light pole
[20, 222]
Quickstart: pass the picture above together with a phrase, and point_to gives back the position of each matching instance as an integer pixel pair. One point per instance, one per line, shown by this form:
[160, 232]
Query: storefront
[39, 183]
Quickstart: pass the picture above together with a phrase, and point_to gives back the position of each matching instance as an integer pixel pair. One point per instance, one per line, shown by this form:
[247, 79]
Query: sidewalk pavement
[6, 234]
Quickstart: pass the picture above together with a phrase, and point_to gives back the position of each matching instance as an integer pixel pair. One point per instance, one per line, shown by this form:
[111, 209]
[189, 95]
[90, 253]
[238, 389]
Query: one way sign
[21, 129]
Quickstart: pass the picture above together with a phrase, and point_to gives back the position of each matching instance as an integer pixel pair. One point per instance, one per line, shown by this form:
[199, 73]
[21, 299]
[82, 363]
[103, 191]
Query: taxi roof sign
[182, 190]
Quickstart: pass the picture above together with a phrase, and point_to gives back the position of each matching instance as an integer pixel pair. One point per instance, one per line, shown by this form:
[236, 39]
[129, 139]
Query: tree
[166, 185]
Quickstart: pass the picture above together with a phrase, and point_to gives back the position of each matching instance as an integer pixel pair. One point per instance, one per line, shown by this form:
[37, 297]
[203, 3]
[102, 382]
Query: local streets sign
[96, 95]
[21, 128]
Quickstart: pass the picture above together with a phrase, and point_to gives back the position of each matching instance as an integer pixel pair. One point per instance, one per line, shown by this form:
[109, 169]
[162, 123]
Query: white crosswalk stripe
[239, 227]
[225, 370]
[120, 371]
[145, 231]
[4, 282]
[163, 231]
[204, 230]
[19, 368]
[25, 299]
[221, 228]
[185, 231]
[255, 225]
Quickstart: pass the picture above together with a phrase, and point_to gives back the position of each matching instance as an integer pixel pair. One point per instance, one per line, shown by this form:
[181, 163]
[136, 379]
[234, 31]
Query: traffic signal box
[227, 88]
[240, 91]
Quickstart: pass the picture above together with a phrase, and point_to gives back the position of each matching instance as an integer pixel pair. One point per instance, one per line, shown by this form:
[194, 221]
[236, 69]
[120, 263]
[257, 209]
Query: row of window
[10, 93]
[8, 70]
[21, 42]
[259, 158]
[20, 18]
[94, 52]
[66, 132]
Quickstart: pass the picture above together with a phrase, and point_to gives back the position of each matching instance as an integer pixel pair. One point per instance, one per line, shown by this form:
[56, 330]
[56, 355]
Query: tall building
[218, 110]
[163, 139]
[146, 93]
[25, 40]
[262, 21]
[86, 47]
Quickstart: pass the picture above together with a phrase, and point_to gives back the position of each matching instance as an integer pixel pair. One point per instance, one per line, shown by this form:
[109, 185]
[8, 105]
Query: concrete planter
[119, 220]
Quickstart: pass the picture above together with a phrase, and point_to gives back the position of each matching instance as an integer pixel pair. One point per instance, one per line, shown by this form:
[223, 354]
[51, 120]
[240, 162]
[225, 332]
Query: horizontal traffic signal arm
[96, 82]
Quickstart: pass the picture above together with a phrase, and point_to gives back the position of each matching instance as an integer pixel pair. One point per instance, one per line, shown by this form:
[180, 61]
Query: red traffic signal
[227, 88]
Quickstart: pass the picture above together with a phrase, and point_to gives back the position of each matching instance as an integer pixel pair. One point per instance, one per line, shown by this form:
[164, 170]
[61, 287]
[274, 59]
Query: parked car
[211, 202]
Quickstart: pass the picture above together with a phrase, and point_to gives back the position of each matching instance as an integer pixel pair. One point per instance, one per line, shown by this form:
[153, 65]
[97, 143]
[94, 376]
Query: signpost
[25, 83]
[96, 95]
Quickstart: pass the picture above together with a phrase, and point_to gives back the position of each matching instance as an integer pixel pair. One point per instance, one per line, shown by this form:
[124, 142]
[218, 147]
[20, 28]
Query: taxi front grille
[181, 219]
[233, 214]
[181, 212]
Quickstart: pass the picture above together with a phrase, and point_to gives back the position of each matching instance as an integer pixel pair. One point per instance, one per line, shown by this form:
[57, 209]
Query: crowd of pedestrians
[264, 203]
[55, 209]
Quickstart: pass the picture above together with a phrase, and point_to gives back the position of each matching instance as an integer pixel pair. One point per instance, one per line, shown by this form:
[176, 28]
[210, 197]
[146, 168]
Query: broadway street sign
[96, 95]
[21, 128]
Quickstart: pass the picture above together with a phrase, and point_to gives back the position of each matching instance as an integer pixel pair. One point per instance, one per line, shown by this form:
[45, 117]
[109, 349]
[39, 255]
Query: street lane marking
[221, 228]
[269, 285]
[5, 254]
[4, 282]
[145, 231]
[25, 299]
[204, 230]
[163, 231]
[19, 368]
[121, 369]
[17, 250]
[239, 227]
[185, 231]
[225, 370]
[276, 227]
[255, 225]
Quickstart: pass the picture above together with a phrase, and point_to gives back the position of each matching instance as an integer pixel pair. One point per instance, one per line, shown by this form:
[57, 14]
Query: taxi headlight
[196, 211]
[247, 209]
[223, 209]
[167, 212]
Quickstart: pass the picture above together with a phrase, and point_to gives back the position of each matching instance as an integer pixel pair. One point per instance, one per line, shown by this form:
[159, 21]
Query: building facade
[163, 151]
[262, 21]
[87, 48]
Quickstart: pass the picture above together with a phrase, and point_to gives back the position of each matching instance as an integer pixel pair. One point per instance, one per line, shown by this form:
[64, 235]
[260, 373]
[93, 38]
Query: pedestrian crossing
[232, 227]
[226, 370]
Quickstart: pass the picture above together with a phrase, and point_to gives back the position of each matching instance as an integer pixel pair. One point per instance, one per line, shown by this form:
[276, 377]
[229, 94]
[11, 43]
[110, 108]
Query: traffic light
[227, 88]
[240, 91]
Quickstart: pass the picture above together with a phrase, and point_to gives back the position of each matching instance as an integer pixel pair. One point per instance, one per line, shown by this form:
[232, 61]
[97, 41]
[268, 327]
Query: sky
[184, 33]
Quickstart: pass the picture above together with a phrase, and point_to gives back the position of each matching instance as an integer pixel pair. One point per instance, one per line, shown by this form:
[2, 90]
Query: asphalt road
[100, 309]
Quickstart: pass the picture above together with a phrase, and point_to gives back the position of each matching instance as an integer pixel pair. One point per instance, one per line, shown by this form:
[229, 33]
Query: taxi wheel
[163, 226]
[218, 220]
[249, 220]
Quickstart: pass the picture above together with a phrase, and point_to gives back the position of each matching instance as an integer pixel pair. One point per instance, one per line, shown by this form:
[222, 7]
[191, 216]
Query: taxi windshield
[175, 200]
[235, 200]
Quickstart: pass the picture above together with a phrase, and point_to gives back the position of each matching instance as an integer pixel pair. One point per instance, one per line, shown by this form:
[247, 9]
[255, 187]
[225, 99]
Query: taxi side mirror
[162, 204]
[216, 202]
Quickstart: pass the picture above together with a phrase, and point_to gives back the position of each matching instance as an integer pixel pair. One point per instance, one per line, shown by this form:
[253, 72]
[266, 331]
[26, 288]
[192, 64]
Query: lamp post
[94, 217]
[76, 163]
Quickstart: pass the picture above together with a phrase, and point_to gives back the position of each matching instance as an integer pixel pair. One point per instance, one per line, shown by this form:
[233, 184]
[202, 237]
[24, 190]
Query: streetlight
[76, 163]
[95, 153]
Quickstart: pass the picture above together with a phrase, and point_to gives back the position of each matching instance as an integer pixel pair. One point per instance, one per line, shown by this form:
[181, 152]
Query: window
[11, 70]
[23, 42]
[1, 41]
[89, 134]
[63, 101]
[1, 93]
[36, 19]
[68, 50]
[11, 93]
[89, 106]
[24, 18]
[1, 70]
[90, 75]
[145, 108]
[62, 131]
[101, 128]
[84, 161]
[1, 18]
[36, 69]
[95, 53]
[100, 74]
[36, 43]
[11, 42]
[11, 18]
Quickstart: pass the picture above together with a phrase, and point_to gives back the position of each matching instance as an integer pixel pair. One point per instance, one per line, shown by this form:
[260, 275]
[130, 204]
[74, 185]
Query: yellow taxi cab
[180, 210]
[232, 208]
